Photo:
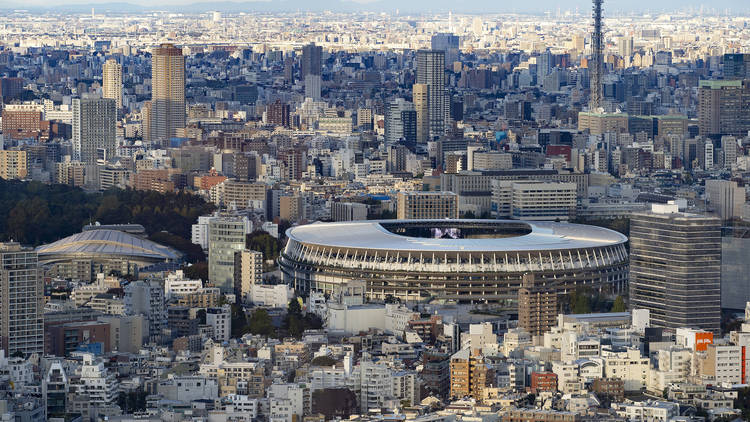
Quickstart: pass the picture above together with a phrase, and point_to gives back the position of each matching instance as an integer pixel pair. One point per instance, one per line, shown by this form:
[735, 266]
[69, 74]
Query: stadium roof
[372, 235]
[108, 243]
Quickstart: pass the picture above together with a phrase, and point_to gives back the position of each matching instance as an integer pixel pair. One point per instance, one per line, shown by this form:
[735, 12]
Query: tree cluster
[34, 213]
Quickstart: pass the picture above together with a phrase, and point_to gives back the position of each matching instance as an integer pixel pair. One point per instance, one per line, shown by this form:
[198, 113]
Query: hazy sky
[426, 5]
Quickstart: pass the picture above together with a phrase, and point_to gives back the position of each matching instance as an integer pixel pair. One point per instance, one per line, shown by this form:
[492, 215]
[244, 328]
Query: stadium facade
[460, 260]
[83, 255]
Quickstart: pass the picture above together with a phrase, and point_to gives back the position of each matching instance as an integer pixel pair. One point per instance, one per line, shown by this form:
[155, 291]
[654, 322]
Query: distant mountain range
[390, 6]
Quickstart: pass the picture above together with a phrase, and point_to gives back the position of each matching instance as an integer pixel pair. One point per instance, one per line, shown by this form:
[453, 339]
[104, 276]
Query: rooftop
[372, 235]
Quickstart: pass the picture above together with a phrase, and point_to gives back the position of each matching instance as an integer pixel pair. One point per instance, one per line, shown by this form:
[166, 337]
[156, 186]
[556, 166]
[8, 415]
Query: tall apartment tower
[167, 93]
[537, 306]
[311, 60]
[94, 129]
[248, 270]
[21, 301]
[422, 106]
[675, 267]
[112, 81]
[431, 72]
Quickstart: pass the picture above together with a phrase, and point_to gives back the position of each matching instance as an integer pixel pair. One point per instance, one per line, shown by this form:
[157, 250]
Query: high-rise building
[247, 165]
[94, 129]
[430, 205]
[431, 72]
[311, 60]
[312, 86]
[21, 301]
[625, 46]
[248, 270]
[112, 81]
[401, 122]
[167, 93]
[724, 107]
[10, 88]
[537, 306]
[420, 95]
[544, 65]
[726, 198]
[736, 66]
[446, 42]
[278, 114]
[675, 267]
[226, 235]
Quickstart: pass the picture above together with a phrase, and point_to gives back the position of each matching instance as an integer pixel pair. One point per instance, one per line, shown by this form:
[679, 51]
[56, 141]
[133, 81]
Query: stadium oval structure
[473, 261]
[82, 255]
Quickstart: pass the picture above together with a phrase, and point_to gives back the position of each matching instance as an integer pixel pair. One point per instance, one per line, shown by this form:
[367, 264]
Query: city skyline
[388, 6]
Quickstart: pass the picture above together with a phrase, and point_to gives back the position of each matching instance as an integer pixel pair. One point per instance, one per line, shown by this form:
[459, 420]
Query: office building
[22, 121]
[625, 46]
[167, 93]
[401, 122]
[10, 88]
[226, 235]
[723, 107]
[533, 200]
[94, 129]
[420, 95]
[248, 271]
[725, 198]
[13, 164]
[427, 205]
[431, 72]
[247, 166]
[449, 43]
[21, 301]
[537, 305]
[312, 86]
[348, 211]
[600, 123]
[675, 267]
[112, 82]
[292, 208]
[311, 60]
[736, 66]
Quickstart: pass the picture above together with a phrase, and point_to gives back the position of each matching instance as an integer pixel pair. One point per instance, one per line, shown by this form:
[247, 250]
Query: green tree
[580, 302]
[260, 323]
[240, 325]
[619, 305]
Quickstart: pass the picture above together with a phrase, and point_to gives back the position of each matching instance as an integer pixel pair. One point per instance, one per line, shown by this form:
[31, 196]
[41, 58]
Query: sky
[473, 6]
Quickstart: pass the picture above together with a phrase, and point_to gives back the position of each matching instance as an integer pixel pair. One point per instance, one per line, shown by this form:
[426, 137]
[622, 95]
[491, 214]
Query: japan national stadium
[470, 261]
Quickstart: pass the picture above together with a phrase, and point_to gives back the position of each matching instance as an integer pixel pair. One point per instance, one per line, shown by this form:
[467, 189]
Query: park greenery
[34, 213]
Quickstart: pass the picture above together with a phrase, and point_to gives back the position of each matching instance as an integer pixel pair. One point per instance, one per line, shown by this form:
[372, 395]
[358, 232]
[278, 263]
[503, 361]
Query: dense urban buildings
[267, 212]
